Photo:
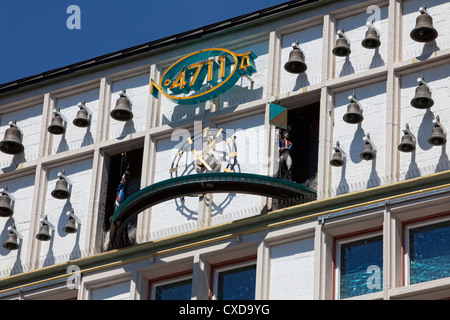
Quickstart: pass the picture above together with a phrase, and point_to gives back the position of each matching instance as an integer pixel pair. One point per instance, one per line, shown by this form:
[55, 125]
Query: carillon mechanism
[122, 110]
[408, 142]
[354, 111]
[424, 30]
[369, 150]
[82, 119]
[342, 48]
[296, 63]
[57, 124]
[372, 39]
[339, 156]
[422, 98]
[12, 142]
[61, 190]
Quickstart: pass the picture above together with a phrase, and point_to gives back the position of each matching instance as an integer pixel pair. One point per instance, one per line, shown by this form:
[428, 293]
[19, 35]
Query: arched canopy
[221, 182]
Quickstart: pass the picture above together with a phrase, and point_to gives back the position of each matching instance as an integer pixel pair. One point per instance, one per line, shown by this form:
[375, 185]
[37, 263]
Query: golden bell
[342, 47]
[122, 111]
[371, 40]
[5, 206]
[368, 153]
[11, 242]
[437, 136]
[57, 125]
[407, 144]
[422, 98]
[336, 160]
[424, 30]
[61, 190]
[44, 233]
[12, 142]
[296, 63]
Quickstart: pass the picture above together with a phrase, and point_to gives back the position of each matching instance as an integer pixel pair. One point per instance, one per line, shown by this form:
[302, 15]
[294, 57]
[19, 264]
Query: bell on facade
[44, 233]
[337, 160]
[82, 118]
[422, 98]
[437, 136]
[368, 152]
[5, 206]
[11, 242]
[12, 142]
[342, 47]
[70, 226]
[296, 63]
[353, 114]
[424, 30]
[371, 41]
[407, 144]
[57, 125]
[61, 190]
[122, 111]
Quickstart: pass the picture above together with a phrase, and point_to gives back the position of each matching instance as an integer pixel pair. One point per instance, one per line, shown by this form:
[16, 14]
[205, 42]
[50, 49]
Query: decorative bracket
[406, 130]
[71, 214]
[367, 140]
[62, 174]
[14, 230]
[45, 221]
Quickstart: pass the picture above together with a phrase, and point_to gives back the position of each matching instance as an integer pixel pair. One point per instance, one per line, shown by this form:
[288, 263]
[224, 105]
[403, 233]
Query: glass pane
[429, 252]
[180, 290]
[361, 267]
[237, 284]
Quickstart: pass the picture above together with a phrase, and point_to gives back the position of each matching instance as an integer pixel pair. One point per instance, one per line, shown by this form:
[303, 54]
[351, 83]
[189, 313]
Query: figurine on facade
[284, 157]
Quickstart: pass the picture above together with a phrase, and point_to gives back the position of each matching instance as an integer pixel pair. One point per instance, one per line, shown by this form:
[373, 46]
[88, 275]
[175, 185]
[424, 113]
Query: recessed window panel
[180, 290]
[429, 252]
[360, 267]
[237, 284]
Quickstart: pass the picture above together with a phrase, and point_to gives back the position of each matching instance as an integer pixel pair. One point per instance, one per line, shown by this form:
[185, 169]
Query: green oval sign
[203, 75]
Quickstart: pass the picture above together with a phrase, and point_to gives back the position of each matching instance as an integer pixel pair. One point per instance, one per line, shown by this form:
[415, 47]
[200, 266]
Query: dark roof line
[156, 44]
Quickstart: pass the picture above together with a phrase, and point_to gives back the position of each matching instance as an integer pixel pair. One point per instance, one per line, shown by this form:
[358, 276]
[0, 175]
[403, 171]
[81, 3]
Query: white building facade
[375, 229]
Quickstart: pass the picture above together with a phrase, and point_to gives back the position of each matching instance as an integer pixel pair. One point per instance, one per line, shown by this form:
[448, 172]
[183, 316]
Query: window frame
[408, 226]
[337, 259]
[227, 266]
[173, 278]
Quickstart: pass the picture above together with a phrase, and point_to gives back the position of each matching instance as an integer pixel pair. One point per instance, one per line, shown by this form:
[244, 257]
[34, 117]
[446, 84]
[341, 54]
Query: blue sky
[34, 36]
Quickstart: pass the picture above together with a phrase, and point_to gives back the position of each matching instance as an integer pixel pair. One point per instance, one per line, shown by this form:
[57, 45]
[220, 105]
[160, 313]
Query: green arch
[220, 182]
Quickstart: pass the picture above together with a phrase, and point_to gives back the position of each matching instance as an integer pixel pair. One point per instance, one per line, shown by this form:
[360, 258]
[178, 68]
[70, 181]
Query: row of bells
[12, 243]
[423, 32]
[12, 142]
[121, 112]
[422, 100]
[407, 144]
